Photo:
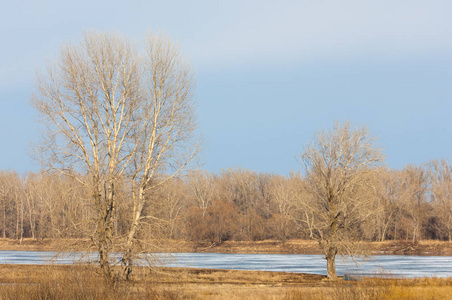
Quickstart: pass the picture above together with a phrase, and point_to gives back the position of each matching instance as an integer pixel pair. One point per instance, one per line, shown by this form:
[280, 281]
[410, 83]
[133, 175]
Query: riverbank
[432, 248]
[84, 282]
[427, 247]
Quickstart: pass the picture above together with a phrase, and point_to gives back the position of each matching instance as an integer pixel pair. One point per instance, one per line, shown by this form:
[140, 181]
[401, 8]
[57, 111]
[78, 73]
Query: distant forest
[237, 204]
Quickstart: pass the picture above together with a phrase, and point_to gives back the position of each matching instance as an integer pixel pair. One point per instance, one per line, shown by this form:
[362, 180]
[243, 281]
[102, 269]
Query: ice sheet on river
[388, 265]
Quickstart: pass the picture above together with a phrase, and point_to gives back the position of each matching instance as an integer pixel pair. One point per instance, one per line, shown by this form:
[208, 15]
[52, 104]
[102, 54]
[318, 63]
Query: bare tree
[113, 114]
[30, 191]
[12, 203]
[440, 173]
[168, 204]
[242, 188]
[202, 186]
[283, 193]
[338, 165]
[415, 186]
[6, 202]
[387, 206]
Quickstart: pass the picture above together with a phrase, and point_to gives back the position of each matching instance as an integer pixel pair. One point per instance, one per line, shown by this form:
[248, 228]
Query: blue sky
[270, 73]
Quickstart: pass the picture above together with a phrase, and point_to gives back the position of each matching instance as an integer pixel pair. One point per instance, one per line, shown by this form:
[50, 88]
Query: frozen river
[396, 265]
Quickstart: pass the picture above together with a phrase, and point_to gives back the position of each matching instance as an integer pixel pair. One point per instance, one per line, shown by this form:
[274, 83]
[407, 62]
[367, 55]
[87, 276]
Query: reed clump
[71, 282]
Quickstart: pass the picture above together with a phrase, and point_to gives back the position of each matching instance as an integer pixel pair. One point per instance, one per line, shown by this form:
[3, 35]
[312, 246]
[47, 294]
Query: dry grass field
[83, 282]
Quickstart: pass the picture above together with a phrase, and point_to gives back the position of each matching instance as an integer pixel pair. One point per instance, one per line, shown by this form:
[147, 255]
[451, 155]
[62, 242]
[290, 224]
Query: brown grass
[83, 282]
[268, 246]
[378, 288]
[29, 244]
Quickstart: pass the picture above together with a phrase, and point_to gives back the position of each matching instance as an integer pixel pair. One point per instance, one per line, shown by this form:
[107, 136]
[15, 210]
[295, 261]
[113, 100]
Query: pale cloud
[217, 34]
[299, 31]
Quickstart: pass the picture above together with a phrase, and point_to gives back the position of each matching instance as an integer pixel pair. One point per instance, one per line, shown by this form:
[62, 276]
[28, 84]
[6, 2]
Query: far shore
[401, 247]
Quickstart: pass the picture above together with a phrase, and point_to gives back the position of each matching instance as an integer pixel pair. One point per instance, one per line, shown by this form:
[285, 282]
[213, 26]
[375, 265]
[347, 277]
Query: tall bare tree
[202, 185]
[113, 114]
[7, 202]
[440, 173]
[338, 165]
[415, 186]
[387, 202]
[167, 208]
[283, 193]
[242, 188]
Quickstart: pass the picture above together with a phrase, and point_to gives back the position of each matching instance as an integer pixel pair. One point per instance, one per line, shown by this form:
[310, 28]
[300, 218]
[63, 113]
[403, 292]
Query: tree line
[237, 204]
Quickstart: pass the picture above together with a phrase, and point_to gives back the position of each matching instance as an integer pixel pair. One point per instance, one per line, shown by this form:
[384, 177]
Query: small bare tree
[338, 165]
[113, 114]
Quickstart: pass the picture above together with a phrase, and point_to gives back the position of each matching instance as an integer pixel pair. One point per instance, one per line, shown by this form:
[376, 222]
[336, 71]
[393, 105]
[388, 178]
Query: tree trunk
[21, 220]
[104, 231]
[4, 219]
[127, 258]
[17, 216]
[395, 230]
[331, 263]
[30, 217]
[104, 261]
[385, 228]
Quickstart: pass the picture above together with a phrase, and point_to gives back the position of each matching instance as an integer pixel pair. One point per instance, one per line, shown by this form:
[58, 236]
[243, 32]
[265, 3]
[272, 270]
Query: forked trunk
[127, 256]
[104, 231]
[127, 262]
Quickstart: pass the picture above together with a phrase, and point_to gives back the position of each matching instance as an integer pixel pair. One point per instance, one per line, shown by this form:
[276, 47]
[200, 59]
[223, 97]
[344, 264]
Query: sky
[270, 74]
